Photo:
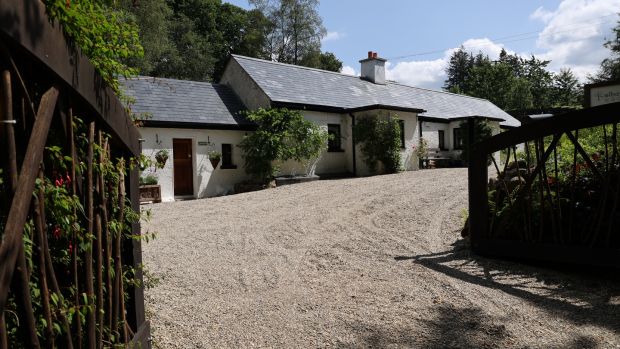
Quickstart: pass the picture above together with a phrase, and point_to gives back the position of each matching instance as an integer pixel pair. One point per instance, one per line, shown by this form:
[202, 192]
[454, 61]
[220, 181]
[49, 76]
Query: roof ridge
[438, 91]
[355, 76]
[155, 78]
[297, 66]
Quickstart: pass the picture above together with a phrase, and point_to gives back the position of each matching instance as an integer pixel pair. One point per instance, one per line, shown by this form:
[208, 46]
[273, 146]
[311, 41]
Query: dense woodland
[192, 39]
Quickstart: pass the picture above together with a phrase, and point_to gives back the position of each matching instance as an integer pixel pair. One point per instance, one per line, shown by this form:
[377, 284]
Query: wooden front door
[183, 169]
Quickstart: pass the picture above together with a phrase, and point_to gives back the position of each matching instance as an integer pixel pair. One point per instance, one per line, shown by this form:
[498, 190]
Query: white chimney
[373, 68]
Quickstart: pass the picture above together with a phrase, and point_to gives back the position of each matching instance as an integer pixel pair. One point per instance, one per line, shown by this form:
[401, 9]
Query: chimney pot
[369, 54]
[374, 55]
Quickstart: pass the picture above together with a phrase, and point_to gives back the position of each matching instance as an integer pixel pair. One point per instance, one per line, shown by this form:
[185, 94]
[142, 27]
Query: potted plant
[215, 157]
[161, 157]
[150, 191]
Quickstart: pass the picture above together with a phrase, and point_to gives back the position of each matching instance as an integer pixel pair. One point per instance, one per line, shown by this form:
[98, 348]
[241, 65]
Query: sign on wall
[602, 93]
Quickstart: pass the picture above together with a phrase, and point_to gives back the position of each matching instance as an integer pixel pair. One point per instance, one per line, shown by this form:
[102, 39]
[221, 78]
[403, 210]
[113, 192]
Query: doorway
[183, 168]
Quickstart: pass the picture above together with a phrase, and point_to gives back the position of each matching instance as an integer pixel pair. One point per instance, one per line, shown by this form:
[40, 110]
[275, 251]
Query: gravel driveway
[367, 262]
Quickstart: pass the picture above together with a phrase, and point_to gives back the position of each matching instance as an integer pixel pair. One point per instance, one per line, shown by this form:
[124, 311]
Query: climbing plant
[380, 142]
[61, 246]
[281, 135]
[107, 35]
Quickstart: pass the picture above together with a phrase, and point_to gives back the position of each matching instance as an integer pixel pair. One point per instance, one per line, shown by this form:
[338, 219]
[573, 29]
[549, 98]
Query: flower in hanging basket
[215, 157]
[161, 157]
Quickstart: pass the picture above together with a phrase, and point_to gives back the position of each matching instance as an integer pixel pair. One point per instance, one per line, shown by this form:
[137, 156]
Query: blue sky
[568, 32]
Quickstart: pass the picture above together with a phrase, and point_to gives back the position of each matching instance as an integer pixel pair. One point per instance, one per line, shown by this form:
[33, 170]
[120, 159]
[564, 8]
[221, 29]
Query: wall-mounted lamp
[157, 140]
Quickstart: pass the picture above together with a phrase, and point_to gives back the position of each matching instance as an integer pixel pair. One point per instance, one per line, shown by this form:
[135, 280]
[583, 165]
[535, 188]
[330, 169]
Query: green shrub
[380, 140]
[148, 180]
[281, 135]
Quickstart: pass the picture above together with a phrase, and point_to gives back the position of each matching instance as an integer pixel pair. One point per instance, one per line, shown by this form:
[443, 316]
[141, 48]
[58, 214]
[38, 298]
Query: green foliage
[511, 82]
[192, 39]
[65, 231]
[482, 131]
[421, 151]
[148, 180]
[296, 28]
[281, 135]
[214, 155]
[322, 60]
[610, 66]
[567, 91]
[107, 35]
[380, 142]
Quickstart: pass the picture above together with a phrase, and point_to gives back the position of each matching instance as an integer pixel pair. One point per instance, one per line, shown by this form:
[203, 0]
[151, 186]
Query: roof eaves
[477, 117]
[198, 125]
[386, 107]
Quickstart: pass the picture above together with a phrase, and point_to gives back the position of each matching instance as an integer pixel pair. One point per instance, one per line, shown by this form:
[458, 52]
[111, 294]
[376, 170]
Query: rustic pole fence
[70, 250]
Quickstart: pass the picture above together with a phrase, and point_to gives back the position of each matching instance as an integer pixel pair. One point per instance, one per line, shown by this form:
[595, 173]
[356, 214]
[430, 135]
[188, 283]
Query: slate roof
[285, 83]
[188, 103]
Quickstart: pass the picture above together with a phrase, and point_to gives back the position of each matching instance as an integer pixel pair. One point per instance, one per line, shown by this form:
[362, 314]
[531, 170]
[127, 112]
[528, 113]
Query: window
[227, 157]
[442, 140]
[401, 124]
[458, 138]
[335, 138]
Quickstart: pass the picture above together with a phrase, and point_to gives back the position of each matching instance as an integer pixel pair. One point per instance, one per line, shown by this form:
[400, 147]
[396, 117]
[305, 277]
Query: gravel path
[368, 262]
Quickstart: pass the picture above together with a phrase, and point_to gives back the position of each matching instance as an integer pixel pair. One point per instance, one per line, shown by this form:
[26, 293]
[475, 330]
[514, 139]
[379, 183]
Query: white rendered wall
[244, 87]
[206, 181]
[430, 132]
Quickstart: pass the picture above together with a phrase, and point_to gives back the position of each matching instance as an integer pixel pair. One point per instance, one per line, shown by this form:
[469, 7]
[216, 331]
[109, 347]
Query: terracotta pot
[214, 162]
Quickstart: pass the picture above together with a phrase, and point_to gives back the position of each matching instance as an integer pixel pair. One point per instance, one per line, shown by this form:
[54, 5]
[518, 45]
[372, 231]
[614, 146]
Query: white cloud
[348, 71]
[417, 73]
[575, 32]
[541, 14]
[332, 36]
[573, 37]
[431, 73]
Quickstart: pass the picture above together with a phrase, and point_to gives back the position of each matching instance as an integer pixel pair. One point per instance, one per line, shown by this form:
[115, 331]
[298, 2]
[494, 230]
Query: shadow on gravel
[581, 296]
[447, 327]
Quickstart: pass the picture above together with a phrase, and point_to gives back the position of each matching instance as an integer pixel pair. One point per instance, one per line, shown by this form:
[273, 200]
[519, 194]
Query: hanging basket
[214, 162]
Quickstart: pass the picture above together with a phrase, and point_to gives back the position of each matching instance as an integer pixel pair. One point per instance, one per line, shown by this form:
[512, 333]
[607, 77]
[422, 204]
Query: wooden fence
[66, 143]
[556, 196]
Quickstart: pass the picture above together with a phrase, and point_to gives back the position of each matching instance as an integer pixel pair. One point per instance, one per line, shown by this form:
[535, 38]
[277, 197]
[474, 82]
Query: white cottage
[191, 118]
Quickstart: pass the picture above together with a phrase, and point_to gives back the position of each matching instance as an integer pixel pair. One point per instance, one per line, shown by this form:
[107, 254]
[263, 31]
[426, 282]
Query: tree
[610, 67]
[297, 28]
[566, 89]
[154, 20]
[492, 81]
[322, 60]
[192, 39]
[540, 80]
[458, 71]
